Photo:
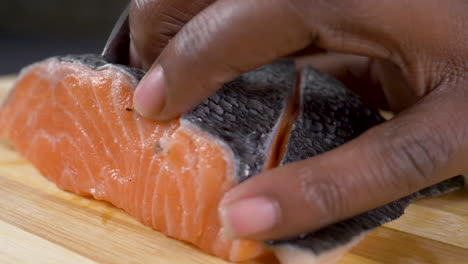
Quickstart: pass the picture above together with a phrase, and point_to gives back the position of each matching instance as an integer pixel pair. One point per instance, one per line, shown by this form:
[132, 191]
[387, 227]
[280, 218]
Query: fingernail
[150, 94]
[249, 217]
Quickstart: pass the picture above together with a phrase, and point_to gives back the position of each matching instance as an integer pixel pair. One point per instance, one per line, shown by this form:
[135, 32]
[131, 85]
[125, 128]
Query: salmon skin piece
[73, 118]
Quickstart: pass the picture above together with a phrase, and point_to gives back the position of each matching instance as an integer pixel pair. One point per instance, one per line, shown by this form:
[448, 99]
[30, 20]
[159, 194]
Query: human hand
[413, 57]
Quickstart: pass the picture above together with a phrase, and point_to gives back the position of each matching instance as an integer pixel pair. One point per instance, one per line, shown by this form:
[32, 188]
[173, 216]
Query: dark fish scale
[230, 117]
[314, 116]
[213, 105]
[216, 98]
[218, 117]
[225, 105]
[254, 111]
[255, 104]
[219, 110]
[314, 126]
[242, 108]
[331, 128]
[243, 100]
[331, 136]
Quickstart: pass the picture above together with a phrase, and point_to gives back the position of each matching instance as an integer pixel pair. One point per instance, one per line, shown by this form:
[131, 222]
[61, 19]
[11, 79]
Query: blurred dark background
[31, 30]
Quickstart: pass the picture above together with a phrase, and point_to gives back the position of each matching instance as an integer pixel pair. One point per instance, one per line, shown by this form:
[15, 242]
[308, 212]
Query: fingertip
[249, 217]
[150, 94]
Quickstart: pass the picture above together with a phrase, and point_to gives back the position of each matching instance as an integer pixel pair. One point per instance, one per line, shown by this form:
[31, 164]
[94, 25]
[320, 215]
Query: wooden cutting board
[41, 224]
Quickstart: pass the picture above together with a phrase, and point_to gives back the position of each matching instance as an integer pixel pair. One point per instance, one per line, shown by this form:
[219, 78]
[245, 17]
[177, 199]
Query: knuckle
[193, 36]
[196, 40]
[414, 151]
[151, 11]
[323, 194]
[155, 23]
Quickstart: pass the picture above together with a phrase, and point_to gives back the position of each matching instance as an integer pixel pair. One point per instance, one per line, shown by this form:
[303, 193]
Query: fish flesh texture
[72, 117]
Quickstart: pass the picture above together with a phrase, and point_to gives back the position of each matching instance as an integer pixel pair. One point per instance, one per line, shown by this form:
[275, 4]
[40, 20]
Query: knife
[117, 46]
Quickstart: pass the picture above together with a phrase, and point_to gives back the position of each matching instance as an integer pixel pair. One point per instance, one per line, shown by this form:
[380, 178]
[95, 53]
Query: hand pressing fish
[73, 118]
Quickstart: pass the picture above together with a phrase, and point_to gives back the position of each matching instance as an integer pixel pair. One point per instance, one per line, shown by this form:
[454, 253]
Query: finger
[357, 73]
[422, 146]
[394, 85]
[153, 23]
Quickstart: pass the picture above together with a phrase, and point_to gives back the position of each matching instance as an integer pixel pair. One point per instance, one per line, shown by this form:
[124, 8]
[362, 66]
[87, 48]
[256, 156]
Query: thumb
[420, 147]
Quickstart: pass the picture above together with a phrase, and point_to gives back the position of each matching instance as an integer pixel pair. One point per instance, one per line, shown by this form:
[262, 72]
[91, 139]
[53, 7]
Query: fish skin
[330, 115]
[339, 110]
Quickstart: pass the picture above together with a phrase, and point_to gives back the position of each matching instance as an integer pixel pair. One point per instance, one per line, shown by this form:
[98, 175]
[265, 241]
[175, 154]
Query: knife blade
[117, 46]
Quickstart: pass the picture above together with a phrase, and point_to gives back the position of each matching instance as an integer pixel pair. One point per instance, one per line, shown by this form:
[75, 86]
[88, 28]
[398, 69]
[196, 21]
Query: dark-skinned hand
[410, 56]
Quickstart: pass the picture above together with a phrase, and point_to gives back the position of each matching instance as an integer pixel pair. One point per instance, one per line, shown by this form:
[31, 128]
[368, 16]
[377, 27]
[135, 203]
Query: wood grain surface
[39, 223]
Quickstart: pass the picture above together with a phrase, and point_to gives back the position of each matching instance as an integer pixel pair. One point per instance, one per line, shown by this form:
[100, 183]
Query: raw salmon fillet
[73, 118]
